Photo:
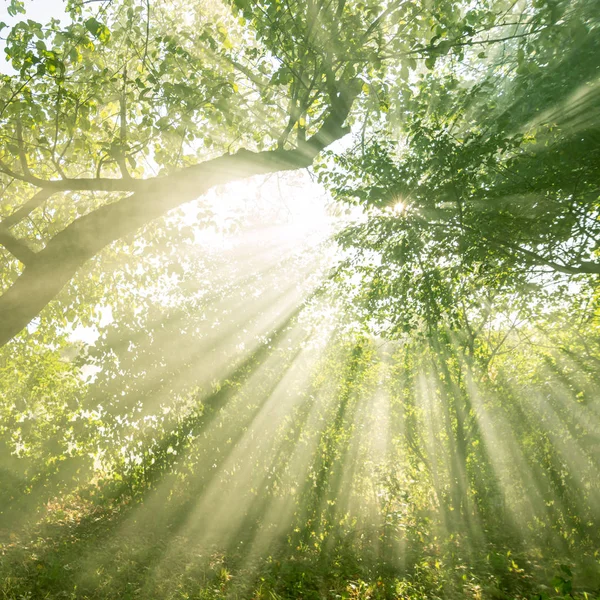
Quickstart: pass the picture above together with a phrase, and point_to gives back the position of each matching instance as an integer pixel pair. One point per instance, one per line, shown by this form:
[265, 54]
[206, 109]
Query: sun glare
[399, 207]
[299, 300]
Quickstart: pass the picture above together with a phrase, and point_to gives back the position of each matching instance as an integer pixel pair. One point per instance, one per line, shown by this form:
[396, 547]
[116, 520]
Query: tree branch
[27, 208]
[82, 184]
[18, 248]
[582, 268]
[21, 146]
[120, 154]
[71, 248]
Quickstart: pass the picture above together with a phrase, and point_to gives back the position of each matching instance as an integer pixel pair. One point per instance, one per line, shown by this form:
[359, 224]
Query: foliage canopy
[408, 409]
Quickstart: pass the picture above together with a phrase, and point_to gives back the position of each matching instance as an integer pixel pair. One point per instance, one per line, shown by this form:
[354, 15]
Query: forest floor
[80, 550]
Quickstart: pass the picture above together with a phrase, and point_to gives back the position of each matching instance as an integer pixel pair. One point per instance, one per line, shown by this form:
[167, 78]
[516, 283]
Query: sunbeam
[299, 300]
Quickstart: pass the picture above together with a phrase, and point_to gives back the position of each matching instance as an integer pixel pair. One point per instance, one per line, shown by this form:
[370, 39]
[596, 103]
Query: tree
[130, 111]
[482, 182]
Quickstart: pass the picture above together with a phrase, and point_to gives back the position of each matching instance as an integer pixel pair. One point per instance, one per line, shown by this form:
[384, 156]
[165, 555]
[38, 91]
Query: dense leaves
[224, 401]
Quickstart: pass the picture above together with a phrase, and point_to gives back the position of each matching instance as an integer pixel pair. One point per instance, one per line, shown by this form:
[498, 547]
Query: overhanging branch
[581, 268]
[27, 208]
[53, 267]
[83, 184]
[18, 248]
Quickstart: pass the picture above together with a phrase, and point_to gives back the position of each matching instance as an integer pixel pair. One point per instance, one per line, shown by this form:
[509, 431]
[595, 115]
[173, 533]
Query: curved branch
[70, 249]
[582, 268]
[18, 248]
[27, 208]
[90, 184]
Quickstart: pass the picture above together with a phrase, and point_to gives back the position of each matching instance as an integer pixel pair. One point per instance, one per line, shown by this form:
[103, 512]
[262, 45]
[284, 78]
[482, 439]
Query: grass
[84, 551]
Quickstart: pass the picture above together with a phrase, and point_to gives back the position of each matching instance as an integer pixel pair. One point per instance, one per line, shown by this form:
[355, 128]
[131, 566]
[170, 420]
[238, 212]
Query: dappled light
[299, 300]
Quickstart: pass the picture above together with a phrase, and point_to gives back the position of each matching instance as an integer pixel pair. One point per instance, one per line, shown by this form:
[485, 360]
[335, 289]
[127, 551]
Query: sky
[38, 10]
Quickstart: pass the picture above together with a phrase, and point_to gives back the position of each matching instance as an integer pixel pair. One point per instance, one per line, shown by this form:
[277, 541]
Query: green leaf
[430, 61]
[92, 25]
[566, 569]
[98, 30]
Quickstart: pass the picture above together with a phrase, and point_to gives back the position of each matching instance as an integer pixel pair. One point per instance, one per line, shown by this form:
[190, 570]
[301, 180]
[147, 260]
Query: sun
[399, 208]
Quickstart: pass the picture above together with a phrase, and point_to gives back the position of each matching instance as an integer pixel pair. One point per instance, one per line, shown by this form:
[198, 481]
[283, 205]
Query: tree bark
[49, 270]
